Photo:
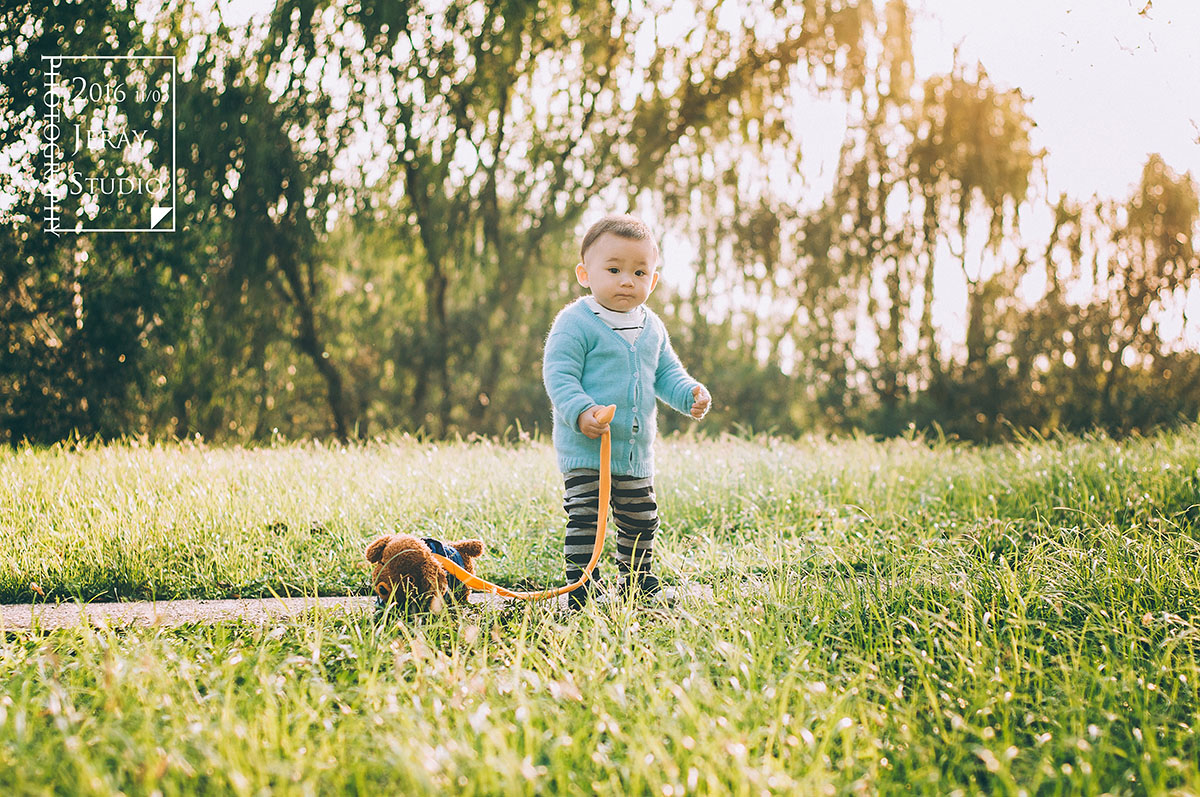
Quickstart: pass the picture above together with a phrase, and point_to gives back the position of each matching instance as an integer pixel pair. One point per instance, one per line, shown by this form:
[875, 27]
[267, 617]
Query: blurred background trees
[381, 201]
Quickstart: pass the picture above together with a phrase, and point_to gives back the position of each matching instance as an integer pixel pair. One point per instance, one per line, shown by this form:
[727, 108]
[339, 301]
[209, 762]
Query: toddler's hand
[589, 425]
[700, 402]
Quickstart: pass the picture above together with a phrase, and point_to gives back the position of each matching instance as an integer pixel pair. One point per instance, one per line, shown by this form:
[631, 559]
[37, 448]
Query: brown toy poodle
[405, 570]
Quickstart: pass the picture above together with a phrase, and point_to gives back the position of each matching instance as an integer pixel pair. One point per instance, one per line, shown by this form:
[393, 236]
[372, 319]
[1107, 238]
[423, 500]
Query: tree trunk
[308, 340]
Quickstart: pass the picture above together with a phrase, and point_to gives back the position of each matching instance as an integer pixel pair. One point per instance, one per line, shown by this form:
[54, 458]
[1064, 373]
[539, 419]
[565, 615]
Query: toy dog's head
[406, 572]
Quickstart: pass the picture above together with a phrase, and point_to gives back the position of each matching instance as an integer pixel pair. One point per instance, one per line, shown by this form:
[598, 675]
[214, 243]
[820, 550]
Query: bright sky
[1108, 84]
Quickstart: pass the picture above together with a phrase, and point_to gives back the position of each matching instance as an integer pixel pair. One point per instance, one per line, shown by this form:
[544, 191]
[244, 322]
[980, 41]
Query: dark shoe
[578, 599]
[640, 584]
[645, 587]
[592, 588]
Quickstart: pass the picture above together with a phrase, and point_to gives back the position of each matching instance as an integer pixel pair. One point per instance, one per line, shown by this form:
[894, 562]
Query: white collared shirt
[628, 324]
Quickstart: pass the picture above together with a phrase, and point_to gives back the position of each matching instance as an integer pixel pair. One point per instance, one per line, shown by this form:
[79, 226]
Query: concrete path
[24, 617]
[147, 613]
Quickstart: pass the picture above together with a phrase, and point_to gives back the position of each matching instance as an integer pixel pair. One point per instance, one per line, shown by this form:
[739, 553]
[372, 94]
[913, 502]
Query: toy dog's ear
[375, 549]
[468, 548]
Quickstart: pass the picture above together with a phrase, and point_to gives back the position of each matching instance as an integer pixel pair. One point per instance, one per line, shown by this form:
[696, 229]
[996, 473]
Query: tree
[971, 150]
[82, 318]
[259, 155]
[505, 122]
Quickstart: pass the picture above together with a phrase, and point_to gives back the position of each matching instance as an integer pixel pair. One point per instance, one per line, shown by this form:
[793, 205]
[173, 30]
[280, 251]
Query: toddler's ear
[468, 548]
[375, 549]
[581, 275]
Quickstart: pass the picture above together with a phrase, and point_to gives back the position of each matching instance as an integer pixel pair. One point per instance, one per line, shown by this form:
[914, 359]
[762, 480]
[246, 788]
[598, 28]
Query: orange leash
[482, 585]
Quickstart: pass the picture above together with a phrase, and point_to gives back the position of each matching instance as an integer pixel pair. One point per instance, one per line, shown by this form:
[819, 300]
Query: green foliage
[307, 296]
[1103, 362]
[82, 322]
[885, 617]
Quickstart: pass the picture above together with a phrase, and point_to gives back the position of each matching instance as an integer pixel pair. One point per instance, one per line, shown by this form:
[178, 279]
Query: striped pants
[634, 511]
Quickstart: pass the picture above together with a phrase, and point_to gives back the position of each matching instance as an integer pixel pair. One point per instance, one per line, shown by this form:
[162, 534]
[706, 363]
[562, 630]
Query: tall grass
[887, 617]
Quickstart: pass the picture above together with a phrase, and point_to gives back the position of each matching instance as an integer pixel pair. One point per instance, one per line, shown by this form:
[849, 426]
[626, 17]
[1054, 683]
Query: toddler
[609, 348]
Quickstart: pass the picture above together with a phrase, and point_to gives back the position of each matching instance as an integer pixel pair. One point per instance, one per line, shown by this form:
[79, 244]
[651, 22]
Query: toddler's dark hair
[622, 224]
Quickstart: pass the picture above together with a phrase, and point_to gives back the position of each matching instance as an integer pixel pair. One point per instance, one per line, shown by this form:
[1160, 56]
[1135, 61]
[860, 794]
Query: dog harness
[439, 548]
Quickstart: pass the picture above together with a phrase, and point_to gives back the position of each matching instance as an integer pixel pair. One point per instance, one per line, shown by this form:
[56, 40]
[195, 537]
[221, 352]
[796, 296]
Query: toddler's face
[621, 272]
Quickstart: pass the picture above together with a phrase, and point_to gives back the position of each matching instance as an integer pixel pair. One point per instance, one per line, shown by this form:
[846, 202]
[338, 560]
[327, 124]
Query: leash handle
[478, 584]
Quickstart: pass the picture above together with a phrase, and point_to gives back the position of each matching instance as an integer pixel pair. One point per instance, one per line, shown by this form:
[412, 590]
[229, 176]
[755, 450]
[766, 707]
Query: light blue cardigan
[588, 363]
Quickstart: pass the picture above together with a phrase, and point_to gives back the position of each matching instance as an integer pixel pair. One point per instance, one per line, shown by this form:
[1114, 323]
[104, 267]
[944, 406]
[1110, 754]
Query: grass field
[887, 617]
